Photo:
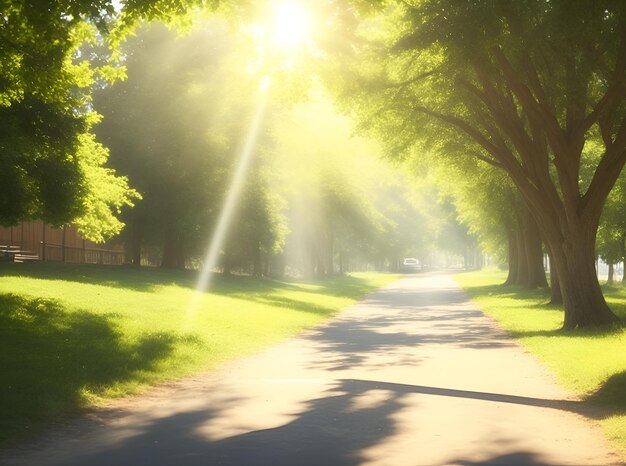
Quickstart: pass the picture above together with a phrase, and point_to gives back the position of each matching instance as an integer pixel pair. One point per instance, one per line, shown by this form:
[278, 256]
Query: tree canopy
[51, 167]
[524, 86]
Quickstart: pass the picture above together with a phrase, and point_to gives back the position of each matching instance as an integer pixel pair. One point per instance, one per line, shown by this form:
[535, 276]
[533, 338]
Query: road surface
[413, 375]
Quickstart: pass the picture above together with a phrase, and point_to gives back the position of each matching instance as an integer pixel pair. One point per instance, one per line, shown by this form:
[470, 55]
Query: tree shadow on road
[519, 458]
[396, 328]
[323, 433]
[336, 429]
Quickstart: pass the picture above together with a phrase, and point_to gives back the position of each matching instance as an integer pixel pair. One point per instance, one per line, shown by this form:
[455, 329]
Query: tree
[51, 167]
[525, 84]
[345, 205]
[486, 201]
[174, 127]
[259, 228]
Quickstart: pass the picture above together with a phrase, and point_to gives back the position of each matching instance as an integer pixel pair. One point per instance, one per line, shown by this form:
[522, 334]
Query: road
[413, 375]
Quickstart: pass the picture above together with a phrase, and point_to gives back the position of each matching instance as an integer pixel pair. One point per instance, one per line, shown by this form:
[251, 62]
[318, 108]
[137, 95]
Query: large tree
[174, 127]
[526, 84]
[51, 167]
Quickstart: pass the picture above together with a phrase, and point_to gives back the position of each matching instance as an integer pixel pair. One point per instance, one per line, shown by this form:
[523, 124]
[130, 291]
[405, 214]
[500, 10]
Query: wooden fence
[59, 244]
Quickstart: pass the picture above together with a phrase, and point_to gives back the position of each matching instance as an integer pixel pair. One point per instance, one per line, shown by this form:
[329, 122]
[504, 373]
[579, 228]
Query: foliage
[175, 127]
[483, 198]
[612, 231]
[46, 158]
[61, 350]
[105, 193]
[346, 206]
[259, 229]
[521, 86]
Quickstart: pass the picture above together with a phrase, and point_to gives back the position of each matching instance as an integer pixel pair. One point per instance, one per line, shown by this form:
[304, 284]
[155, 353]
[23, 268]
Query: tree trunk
[536, 277]
[611, 277]
[133, 244]
[173, 253]
[574, 261]
[330, 251]
[556, 296]
[511, 278]
[256, 260]
[479, 259]
[522, 259]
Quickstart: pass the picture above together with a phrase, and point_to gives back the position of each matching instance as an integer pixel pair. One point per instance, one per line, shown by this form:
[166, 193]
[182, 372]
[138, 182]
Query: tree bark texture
[513, 255]
[534, 254]
[513, 261]
[522, 259]
[574, 262]
[556, 296]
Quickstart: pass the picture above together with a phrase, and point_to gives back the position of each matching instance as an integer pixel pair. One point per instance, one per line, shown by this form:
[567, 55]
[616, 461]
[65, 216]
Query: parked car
[410, 265]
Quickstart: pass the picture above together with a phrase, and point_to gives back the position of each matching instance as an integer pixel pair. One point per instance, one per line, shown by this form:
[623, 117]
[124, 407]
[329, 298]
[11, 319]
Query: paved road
[413, 375]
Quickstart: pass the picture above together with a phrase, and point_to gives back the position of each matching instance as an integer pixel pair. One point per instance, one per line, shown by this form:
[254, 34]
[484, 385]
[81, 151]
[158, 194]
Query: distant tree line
[316, 202]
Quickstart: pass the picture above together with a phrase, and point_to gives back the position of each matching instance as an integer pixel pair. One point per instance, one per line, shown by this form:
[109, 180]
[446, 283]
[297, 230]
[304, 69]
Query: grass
[72, 337]
[591, 363]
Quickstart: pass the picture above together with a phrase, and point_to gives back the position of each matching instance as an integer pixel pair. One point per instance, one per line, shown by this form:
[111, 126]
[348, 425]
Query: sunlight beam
[230, 204]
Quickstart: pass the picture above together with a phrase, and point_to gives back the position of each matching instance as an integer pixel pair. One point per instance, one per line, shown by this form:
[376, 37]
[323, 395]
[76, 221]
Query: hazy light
[264, 84]
[291, 25]
[230, 204]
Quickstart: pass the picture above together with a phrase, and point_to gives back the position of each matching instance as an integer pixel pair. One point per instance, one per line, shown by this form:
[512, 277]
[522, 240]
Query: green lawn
[592, 364]
[73, 336]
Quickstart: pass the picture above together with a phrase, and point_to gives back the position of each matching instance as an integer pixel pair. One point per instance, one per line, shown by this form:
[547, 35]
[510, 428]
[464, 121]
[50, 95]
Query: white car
[410, 265]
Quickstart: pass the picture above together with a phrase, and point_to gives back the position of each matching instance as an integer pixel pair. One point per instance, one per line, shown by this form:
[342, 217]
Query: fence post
[63, 244]
[43, 243]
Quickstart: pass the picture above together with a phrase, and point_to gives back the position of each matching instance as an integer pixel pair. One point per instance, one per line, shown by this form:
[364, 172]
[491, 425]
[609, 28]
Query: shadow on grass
[290, 303]
[50, 356]
[149, 279]
[509, 291]
[612, 394]
[131, 278]
[600, 332]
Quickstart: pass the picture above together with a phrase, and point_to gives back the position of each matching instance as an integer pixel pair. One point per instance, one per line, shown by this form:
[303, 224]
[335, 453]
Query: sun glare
[291, 25]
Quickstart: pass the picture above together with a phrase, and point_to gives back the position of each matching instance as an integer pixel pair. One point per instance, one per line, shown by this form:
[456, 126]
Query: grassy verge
[592, 364]
[74, 336]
